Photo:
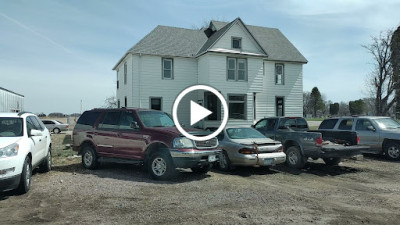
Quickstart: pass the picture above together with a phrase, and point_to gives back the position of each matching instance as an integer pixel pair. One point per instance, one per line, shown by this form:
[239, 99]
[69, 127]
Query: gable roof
[11, 92]
[181, 42]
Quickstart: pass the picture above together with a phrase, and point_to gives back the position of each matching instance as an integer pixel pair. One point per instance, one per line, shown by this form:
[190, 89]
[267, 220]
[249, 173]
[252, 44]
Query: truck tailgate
[337, 150]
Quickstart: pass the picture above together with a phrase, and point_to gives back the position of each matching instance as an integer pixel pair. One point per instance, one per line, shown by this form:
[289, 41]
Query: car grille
[211, 143]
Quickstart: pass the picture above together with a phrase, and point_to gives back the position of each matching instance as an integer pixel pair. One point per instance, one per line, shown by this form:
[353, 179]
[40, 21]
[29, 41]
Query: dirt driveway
[356, 192]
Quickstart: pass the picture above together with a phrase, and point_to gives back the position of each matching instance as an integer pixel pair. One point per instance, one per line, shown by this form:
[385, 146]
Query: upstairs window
[279, 74]
[236, 43]
[167, 69]
[237, 69]
[125, 73]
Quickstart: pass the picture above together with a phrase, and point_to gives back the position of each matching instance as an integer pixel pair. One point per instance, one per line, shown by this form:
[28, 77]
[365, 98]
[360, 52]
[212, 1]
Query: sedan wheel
[224, 162]
[56, 130]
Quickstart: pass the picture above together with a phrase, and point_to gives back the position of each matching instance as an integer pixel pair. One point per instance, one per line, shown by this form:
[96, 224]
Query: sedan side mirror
[371, 128]
[135, 125]
[36, 133]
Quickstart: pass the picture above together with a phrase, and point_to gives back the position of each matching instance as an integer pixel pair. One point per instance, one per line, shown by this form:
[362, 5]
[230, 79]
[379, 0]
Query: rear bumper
[187, 158]
[10, 183]
[340, 151]
[265, 159]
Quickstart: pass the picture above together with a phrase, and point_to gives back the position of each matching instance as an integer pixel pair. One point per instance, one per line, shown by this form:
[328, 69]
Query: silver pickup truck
[382, 134]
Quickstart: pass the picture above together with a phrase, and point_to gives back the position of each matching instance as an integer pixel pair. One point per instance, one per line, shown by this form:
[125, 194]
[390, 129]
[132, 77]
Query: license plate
[268, 162]
[212, 158]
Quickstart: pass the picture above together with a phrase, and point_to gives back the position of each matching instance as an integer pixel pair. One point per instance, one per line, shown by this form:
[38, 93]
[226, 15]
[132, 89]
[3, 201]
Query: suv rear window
[328, 124]
[88, 118]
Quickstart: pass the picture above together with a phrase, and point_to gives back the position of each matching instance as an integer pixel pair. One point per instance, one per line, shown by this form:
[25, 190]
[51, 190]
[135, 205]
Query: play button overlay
[198, 112]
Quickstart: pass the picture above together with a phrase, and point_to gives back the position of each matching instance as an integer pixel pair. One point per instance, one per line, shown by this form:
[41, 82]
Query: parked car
[55, 126]
[381, 134]
[300, 143]
[245, 146]
[25, 144]
[141, 136]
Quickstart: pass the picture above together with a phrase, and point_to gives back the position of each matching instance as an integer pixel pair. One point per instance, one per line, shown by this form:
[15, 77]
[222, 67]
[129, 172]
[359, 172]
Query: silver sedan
[245, 146]
[55, 126]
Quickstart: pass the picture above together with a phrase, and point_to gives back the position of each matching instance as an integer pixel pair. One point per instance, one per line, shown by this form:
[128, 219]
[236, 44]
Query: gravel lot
[356, 192]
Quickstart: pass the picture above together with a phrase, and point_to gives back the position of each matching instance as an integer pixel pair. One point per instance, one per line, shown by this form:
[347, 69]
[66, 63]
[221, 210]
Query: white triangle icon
[197, 112]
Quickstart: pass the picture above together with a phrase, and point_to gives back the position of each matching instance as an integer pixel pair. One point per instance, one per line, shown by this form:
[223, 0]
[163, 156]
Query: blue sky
[58, 53]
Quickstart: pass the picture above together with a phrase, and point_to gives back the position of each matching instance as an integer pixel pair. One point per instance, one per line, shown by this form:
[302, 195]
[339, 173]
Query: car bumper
[265, 159]
[9, 183]
[11, 166]
[187, 158]
[340, 151]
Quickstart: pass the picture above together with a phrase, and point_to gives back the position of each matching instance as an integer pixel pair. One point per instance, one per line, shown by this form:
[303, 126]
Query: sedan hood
[174, 131]
[259, 141]
[5, 141]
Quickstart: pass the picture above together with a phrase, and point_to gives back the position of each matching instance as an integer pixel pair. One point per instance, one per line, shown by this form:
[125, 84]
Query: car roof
[353, 117]
[16, 115]
[123, 109]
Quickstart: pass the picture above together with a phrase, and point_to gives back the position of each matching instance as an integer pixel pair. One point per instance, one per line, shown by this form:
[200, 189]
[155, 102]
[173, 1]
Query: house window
[279, 74]
[167, 69]
[237, 69]
[236, 42]
[156, 103]
[237, 106]
[125, 73]
[126, 101]
[279, 105]
[117, 84]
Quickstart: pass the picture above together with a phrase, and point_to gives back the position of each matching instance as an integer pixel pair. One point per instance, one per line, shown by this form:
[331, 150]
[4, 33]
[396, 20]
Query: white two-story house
[257, 70]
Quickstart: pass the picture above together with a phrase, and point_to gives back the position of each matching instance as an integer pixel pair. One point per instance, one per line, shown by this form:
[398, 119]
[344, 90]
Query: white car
[25, 144]
[55, 126]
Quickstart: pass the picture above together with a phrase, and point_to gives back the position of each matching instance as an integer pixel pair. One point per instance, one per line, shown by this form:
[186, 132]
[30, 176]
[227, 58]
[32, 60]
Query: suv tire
[392, 150]
[89, 157]
[160, 166]
[294, 158]
[45, 166]
[332, 161]
[26, 175]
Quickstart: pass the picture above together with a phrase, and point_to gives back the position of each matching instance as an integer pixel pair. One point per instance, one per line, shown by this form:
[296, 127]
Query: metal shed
[11, 101]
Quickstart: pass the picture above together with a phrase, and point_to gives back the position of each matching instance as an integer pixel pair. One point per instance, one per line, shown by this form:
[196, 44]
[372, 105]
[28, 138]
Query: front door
[212, 103]
[39, 142]
[367, 134]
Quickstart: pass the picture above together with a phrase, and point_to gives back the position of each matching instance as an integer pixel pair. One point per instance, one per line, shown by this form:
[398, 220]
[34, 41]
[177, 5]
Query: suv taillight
[358, 139]
[318, 141]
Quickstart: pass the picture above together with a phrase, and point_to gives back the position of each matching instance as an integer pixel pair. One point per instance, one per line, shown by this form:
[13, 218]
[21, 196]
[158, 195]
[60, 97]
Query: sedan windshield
[243, 133]
[11, 127]
[387, 123]
[155, 119]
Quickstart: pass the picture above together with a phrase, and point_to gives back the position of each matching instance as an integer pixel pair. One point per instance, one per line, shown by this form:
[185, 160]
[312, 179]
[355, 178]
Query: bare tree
[110, 102]
[395, 61]
[344, 109]
[307, 103]
[381, 81]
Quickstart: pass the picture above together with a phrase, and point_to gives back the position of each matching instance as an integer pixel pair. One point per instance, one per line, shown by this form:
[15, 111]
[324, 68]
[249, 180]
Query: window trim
[276, 105]
[162, 68]
[125, 73]
[283, 74]
[236, 74]
[236, 101]
[161, 102]
[240, 42]
[126, 102]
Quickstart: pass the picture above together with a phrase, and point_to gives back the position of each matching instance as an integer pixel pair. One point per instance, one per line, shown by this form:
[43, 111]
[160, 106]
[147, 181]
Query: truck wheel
[201, 169]
[392, 151]
[294, 158]
[26, 175]
[89, 157]
[160, 166]
[332, 161]
[224, 162]
[46, 164]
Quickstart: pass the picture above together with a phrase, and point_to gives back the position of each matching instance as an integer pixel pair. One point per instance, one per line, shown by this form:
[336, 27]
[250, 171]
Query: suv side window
[271, 124]
[39, 123]
[328, 124]
[30, 125]
[110, 121]
[88, 118]
[127, 118]
[261, 124]
[363, 124]
[346, 124]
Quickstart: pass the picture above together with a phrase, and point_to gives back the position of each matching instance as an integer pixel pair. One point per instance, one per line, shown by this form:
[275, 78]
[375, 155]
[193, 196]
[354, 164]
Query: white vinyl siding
[11, 102]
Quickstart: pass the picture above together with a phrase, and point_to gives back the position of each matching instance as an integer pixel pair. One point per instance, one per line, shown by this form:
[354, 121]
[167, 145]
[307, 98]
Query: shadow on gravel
[378, 157]
[319, 169]
[129, 172]
[246, 171]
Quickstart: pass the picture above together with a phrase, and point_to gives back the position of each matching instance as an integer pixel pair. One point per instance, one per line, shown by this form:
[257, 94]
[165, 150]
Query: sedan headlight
[183, 142]
[10, 150]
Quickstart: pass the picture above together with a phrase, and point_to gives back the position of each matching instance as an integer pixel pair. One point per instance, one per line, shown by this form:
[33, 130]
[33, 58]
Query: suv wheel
[56, 130]
[294, 158]
[201, 169]
[25, 182]
[89, 157]
[160, 166]
[46, 164]
[392, 151]
[332, 161]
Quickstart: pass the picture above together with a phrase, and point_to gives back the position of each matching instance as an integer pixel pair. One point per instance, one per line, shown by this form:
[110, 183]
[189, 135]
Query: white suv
[25, 144]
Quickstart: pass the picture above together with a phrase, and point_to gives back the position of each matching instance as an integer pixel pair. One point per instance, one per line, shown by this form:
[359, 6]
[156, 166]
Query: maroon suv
[141, 136]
